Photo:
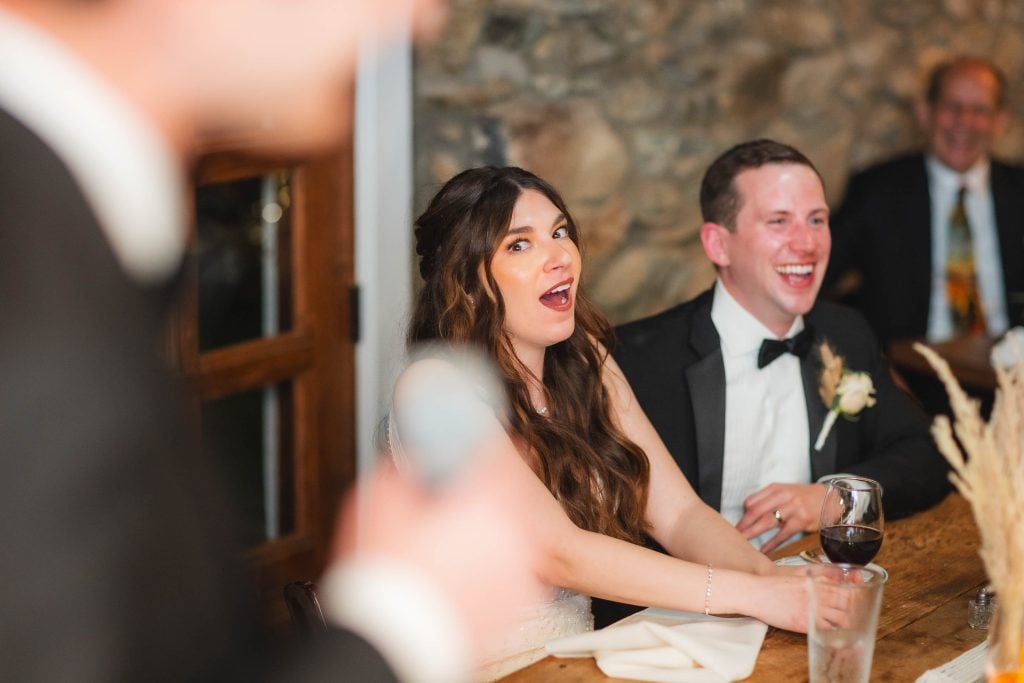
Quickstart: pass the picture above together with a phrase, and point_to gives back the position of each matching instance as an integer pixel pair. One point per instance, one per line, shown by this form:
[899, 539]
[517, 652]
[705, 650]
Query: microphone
[448, 404]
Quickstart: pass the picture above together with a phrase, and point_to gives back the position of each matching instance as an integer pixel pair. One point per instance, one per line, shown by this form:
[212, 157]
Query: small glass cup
[844, 602]
[980, 608]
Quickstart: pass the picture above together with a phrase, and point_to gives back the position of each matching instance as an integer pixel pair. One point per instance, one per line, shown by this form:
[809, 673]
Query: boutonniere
[844, 391]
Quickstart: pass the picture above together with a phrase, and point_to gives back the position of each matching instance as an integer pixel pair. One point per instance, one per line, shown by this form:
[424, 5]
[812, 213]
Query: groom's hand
[791, 508]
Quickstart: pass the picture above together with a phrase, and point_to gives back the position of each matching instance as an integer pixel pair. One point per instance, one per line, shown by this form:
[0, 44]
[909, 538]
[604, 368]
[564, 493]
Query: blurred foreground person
[118, 552]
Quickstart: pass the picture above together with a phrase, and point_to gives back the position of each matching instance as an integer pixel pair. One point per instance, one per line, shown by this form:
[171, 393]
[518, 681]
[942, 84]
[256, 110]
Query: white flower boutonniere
[844, 391]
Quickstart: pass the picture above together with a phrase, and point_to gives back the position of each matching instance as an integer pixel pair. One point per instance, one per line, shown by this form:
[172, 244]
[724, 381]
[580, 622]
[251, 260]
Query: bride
[501, 266]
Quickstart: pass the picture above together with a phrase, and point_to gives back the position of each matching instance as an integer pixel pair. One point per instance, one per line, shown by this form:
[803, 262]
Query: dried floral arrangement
[991, 479]
[845, 392]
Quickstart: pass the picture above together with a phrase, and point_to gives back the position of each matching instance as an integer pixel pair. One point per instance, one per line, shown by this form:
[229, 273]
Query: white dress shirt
[943, 186]
[766, 431]
[130, 176]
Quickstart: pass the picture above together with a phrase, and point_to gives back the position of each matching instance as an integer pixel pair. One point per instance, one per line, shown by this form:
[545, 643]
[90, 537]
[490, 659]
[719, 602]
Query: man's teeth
[795, 270]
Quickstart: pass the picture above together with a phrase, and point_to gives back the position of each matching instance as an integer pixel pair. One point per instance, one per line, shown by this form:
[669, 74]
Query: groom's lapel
[706, 381]
[824, 461]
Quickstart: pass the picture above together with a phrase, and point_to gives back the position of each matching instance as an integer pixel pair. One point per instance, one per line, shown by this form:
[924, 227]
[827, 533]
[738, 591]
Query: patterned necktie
[798, 345]
[961, 281]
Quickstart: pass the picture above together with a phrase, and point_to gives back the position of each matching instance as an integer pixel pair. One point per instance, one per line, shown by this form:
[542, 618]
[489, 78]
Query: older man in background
[934, 241]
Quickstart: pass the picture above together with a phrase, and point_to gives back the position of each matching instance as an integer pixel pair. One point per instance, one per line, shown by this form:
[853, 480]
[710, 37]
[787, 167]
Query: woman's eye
[561, 232]
[519, 245]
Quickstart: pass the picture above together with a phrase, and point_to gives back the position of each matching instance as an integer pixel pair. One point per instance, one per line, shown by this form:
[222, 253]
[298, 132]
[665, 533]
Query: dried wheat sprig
[832, 366]
[991, 479]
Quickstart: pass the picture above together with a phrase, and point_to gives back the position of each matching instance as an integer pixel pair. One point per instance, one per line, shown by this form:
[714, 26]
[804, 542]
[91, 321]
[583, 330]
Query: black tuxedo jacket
[883, 230]
[673, 362]
[116, 550]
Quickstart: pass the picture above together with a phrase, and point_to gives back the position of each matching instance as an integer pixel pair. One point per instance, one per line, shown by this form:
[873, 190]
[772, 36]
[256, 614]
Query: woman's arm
[613, 569]
[602, 566]
[680, 521]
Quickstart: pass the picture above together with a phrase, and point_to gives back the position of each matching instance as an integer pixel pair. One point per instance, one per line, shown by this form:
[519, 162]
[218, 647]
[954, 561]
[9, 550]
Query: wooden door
[265, 336]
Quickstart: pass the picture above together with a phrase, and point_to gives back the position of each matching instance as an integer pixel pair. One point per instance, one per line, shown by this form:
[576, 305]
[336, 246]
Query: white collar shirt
[943, 186]
[129, 175]
[766, 429]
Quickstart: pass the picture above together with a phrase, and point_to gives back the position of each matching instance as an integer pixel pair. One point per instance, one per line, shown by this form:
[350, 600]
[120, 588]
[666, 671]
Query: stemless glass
[852, 521]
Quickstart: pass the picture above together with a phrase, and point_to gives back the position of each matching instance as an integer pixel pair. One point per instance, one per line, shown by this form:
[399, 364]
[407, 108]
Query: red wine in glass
[851, 520]
[851, 543]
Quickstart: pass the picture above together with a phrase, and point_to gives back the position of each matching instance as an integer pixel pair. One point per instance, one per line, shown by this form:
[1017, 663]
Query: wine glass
[852, 521]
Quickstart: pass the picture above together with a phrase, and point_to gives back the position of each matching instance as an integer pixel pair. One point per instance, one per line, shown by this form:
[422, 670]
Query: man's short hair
[943, 69]
[720, 201]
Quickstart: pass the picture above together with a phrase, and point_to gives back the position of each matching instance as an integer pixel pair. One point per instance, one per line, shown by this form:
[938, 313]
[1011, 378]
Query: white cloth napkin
[669, 646]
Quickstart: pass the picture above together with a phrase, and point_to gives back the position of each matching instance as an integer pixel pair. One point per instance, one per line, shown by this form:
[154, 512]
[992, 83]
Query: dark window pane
[244, 259]
[250, 433]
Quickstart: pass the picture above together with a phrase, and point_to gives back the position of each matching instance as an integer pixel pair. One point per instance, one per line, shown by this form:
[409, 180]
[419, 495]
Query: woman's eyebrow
[560, 218]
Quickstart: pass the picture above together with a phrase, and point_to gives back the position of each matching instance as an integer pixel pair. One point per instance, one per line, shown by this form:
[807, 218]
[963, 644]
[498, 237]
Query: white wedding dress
[565, 613]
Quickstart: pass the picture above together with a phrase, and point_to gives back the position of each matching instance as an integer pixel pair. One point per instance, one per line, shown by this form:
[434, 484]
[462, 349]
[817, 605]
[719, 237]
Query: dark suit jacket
[673, 362]
[883, 230]
[117, 558]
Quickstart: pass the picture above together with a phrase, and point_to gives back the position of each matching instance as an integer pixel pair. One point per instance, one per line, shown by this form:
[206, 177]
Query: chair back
[304, 608]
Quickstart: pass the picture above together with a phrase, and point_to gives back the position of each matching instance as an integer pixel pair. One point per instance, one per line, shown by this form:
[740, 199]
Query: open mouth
[558, 296]
[796, 274]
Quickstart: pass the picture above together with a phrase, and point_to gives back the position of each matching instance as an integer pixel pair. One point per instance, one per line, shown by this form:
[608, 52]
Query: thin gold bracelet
[707, 592]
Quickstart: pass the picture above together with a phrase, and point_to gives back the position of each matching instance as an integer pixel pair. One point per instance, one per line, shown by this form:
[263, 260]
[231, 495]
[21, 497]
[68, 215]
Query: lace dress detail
[568, 613]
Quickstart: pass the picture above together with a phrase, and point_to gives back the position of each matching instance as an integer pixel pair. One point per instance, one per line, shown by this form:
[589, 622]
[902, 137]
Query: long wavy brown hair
[598, 475]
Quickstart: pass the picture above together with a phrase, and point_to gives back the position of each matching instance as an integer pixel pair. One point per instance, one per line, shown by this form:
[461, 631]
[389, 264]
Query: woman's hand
[780, 600]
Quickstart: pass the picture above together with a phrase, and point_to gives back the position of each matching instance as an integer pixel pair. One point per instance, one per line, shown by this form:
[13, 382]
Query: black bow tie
[798, 345]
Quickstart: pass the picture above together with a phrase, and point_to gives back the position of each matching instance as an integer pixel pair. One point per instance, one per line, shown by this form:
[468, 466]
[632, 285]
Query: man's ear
[715, 239]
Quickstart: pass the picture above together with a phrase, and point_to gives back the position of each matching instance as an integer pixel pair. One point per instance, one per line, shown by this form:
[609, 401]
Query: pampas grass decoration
[988, 470]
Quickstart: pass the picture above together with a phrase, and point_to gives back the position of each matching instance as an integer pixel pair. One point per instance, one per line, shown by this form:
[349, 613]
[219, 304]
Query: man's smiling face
[773, 260]
[965, 118]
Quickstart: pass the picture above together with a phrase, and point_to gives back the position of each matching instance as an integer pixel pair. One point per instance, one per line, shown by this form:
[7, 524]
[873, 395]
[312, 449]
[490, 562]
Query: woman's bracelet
[707, 591]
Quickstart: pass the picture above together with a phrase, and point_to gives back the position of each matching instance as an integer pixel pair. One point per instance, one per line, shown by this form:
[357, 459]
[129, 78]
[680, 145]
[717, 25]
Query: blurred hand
[798, 505]
[466, 538]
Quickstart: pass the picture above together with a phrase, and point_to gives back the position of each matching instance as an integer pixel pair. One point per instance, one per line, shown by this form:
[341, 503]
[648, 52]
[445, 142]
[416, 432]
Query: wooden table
[968, 358]
[934, 568]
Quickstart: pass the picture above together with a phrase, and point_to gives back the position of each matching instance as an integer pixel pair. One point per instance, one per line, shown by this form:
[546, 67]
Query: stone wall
[621, 104]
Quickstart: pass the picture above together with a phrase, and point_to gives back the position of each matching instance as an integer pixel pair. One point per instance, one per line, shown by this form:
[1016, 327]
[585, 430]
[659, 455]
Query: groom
[731, 379]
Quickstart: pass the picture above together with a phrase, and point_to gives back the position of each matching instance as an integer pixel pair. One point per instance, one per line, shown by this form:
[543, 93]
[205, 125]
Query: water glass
[844, 602]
